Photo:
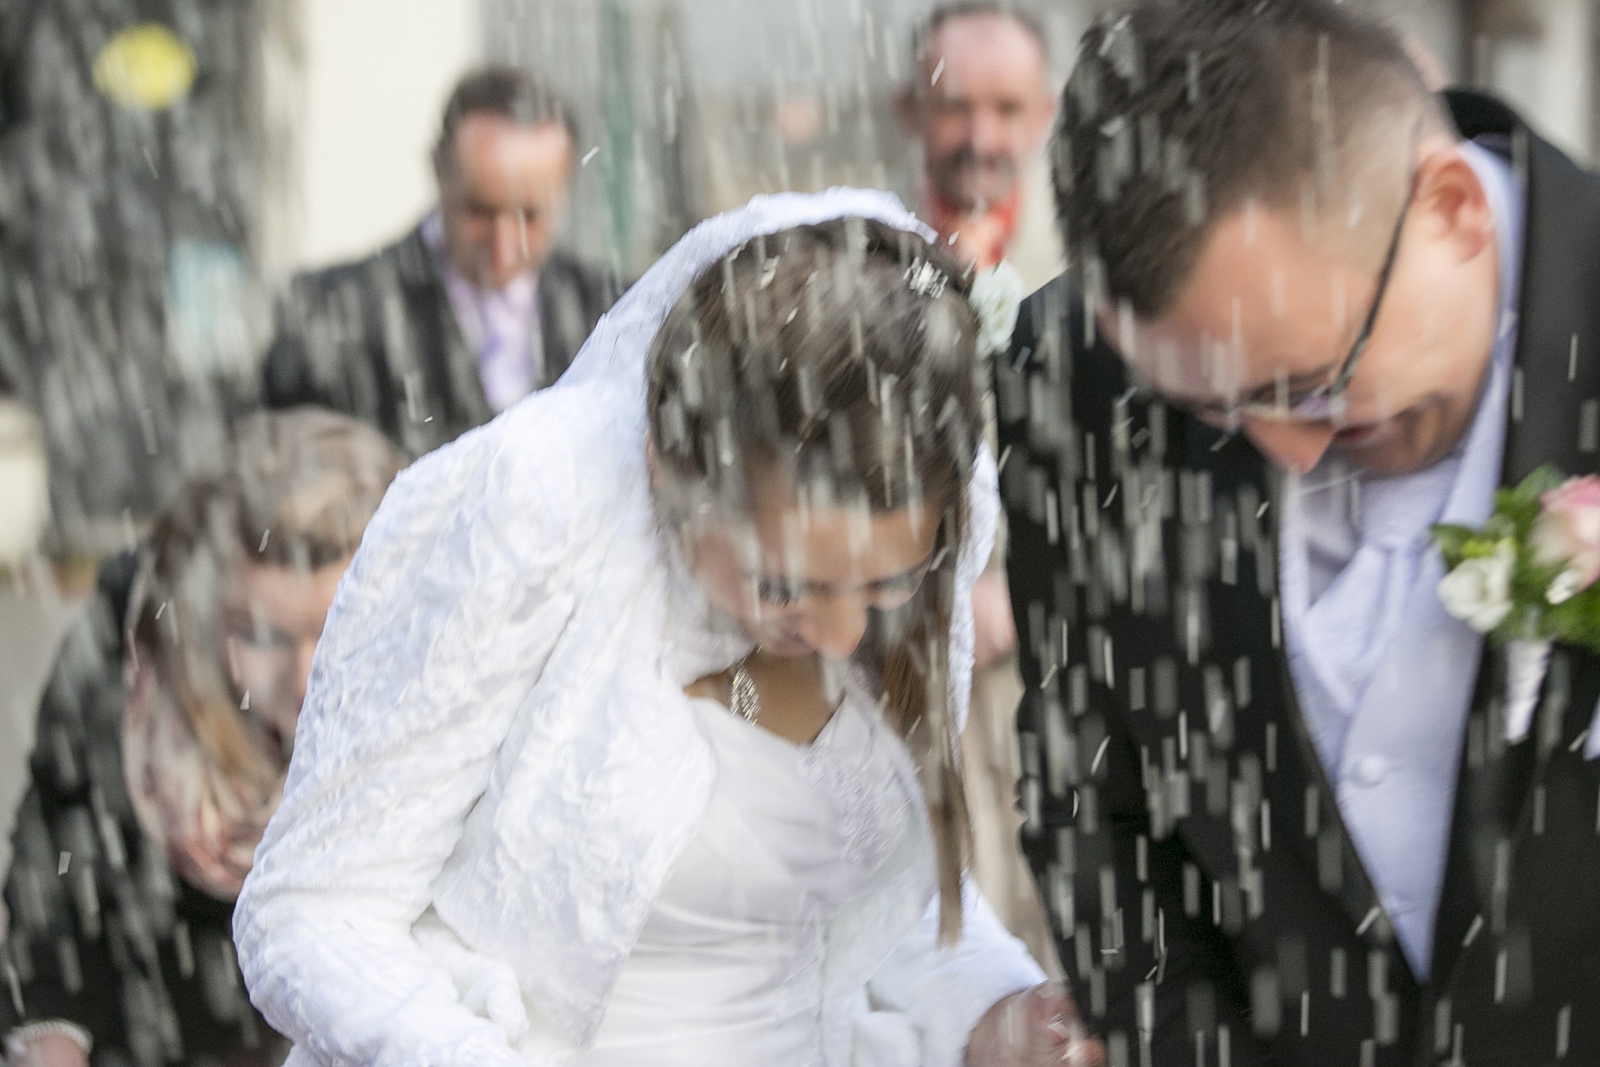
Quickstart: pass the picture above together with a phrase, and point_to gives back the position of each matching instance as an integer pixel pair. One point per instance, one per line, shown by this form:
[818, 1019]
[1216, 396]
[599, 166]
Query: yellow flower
[145, 66]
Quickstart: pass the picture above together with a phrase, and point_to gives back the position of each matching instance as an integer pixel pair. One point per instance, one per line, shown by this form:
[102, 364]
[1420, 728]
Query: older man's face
[502, 193]
[988, 110]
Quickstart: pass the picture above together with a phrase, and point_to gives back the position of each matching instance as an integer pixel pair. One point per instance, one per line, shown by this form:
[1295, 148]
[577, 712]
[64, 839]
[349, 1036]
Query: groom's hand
[49, 1050]
[1033, 1028]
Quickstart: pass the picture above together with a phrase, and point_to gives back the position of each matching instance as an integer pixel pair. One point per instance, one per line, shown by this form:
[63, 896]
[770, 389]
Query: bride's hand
[1033, 1028]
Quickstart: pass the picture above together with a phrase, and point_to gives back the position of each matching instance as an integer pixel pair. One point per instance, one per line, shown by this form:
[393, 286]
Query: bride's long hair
[842, 356]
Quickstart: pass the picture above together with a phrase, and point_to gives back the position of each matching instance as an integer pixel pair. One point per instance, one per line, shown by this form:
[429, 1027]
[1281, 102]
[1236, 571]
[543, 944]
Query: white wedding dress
[728, 967]
[508, 839]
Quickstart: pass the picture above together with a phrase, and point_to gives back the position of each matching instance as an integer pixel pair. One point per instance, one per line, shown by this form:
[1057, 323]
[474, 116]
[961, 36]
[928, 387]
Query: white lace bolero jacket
[496, 767]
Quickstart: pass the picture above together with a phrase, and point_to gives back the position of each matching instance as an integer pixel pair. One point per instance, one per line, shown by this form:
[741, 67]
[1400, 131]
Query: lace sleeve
[440, 629]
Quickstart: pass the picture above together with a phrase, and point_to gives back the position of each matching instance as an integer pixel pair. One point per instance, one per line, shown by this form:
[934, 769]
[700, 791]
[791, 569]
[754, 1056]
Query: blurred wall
[694, 106]
[1437, 25]
[374, 79]
[1539, 56]
[681, 98]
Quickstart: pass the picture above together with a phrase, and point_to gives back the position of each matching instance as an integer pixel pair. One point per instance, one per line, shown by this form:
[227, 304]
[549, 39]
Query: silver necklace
[746, 702]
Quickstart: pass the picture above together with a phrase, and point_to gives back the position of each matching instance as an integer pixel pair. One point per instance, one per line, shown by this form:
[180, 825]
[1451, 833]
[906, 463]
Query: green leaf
[1515, 510]
[1577, 621]
[1527, 621]
[1530, 581]
[1540, 482]
[1452, 541]
[1499, 527]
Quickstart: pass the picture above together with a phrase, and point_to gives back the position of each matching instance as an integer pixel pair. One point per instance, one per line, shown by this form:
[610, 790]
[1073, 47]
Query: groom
[1272, 797]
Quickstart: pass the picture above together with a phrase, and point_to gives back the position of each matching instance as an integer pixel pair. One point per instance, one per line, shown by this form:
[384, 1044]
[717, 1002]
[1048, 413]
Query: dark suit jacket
[377, 339]
[1207, 881]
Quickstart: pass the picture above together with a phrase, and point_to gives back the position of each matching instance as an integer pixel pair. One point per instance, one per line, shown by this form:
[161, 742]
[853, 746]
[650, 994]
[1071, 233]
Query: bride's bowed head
[814, 415]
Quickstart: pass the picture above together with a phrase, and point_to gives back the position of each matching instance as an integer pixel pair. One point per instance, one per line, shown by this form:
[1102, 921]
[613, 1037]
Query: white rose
[996, 295]
[1478, 591]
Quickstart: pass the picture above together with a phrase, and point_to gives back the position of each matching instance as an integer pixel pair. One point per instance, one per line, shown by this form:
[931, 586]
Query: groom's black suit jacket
[1208, 881]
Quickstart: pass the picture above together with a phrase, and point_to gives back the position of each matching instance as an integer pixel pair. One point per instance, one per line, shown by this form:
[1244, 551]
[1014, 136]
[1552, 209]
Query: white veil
[619, 351]
[459, 600]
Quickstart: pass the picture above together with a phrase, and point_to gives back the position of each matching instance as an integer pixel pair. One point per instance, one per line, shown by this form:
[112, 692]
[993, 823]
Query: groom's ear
[1454, 205]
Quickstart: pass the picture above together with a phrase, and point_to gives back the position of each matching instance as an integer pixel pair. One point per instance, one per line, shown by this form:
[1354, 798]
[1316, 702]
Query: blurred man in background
[980, 105]
[472, 310]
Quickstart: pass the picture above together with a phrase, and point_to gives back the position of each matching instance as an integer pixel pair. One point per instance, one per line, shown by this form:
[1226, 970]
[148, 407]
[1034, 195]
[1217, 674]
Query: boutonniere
[996, 296]
[1527, 578]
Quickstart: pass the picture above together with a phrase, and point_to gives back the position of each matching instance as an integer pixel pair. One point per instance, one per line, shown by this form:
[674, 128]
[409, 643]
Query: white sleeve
[983, 520]
[932, 997]
[439, 630]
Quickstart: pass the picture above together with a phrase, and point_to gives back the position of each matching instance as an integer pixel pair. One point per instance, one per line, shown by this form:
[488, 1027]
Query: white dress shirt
[1383, 673]
[501, 326]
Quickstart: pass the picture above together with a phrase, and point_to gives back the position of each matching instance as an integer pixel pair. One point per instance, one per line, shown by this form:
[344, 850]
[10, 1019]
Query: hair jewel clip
[925, 279]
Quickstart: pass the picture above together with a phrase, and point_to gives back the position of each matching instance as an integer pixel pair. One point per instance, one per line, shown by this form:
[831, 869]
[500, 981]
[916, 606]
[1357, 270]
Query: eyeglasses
[1319, 403]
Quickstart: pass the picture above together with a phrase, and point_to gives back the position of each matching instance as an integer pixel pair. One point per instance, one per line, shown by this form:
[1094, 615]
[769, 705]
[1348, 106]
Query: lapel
[1557, 371]
[562, 325]
[448, 367]
[1296, 785]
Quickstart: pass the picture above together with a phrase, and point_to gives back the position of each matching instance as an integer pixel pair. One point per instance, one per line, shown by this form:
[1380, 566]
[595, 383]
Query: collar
[1472, 497]
[948, 218]
[1490, 160]
[518, 292]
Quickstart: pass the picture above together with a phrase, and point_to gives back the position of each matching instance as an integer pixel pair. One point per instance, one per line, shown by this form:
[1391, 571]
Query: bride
[630, 736]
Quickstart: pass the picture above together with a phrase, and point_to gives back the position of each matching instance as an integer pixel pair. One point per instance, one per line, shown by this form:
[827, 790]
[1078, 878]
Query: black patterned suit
[377, 339]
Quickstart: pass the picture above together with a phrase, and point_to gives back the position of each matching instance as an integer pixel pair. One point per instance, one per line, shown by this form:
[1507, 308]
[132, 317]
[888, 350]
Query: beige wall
[374, 78]
[1539, 56]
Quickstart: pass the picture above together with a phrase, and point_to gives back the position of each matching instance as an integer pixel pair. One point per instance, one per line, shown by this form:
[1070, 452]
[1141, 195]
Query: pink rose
[1568, 529]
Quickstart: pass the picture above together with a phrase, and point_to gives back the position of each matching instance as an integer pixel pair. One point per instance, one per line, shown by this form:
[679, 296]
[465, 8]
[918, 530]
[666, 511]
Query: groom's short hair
[1181, 111]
